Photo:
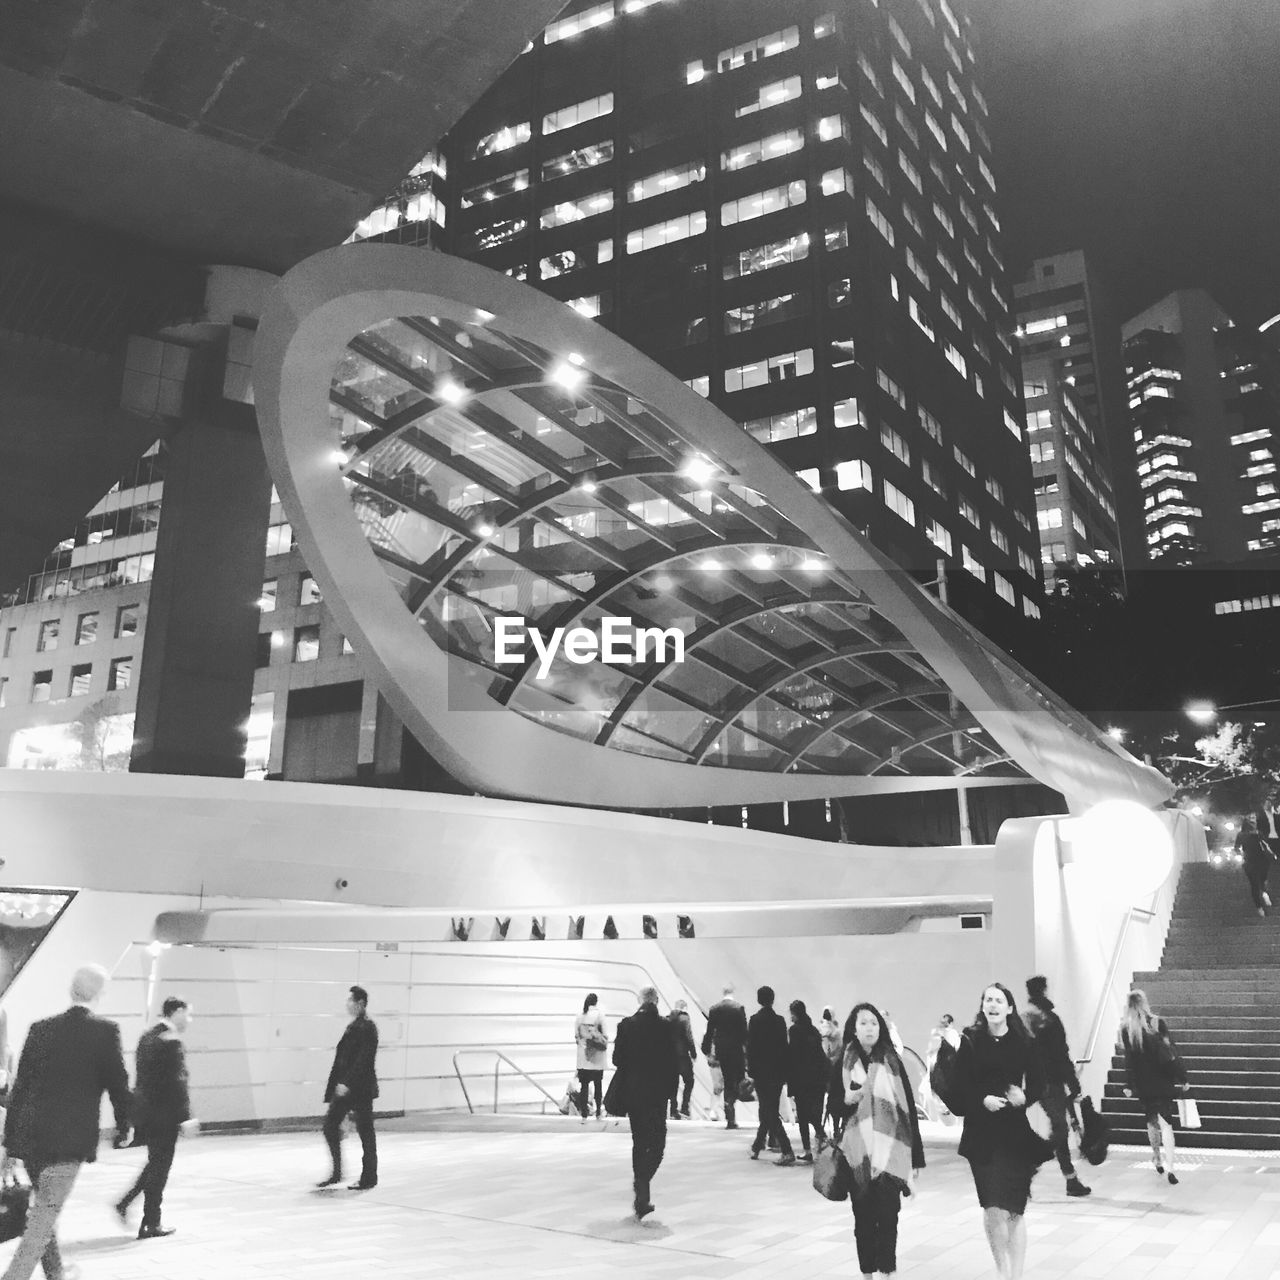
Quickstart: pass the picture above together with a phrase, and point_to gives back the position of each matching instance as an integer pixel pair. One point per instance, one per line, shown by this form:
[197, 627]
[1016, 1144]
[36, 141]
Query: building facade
[1204, 409]
[1065, 322]
[794, 211]
[1075, 507]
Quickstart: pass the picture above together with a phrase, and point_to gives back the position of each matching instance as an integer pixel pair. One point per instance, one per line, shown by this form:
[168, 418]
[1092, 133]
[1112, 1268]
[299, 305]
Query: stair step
[1232, 1034]
[1245, 1093]
[1201, 1139]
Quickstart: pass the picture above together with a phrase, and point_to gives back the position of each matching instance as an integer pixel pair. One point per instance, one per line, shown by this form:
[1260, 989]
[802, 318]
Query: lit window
[583, 20]
[580, 158]
[577, 113]
[742, 55]
[939, 535]
[81, 678]
[86, 628]
[879, 221]
[1051, 518]
[899, 503]
[308, 591]
[120, 674]
[48, 638]
[495, 188]
[575, 210]
[760, 203]
[760, 258]
[657, 184]
[770, 148]
[127, 620]
[783, 426]
[306, 644]
[779, 368]
[1004, 588]
[503, 139]
[854, 474]
[973, 564]
[895, 444]
[769, 95]
[877, 128]
[41, 686]
[810, 477]
[846, 413]
[660, 233]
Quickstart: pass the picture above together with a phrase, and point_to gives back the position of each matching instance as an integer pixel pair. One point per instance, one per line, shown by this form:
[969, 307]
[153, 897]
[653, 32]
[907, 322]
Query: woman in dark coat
[997, 1075]
[1156, 1074]
[807, 1066]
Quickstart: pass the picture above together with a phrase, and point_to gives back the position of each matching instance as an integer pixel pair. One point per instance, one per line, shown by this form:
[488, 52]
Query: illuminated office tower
[1075, 507]
[1204, 412]
[1064, 321]
[792, 208]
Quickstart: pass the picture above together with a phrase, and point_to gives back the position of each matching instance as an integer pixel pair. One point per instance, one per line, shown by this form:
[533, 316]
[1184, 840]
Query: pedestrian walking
[1155, 1074]
[726, 1040]
[807, 1069]
[161, 1110]
[1259, 856]
[767, 1067]
[832, 1035]
[1062, 1085]
[686, 1052]
[352, 1087]
[880, 1138]
[997, 1075]
[644, 1054]
[67, 1063]
[592, 1041]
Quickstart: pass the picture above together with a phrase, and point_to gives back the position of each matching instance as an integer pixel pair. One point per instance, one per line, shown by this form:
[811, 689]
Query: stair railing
[1113, 969]
[499, 1059]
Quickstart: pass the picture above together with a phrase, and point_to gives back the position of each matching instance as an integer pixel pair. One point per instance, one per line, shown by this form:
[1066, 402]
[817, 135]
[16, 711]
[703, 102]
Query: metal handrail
[1146, 913]
[500, 1058]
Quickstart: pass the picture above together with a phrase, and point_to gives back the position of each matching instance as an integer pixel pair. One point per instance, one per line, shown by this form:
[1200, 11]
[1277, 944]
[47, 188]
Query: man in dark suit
[161, 1109]
[67, 1063]
[1258, 856]
[353, 1085]
[645, 1051]
[682, 1039]
[767, 1066]
[726, 1041]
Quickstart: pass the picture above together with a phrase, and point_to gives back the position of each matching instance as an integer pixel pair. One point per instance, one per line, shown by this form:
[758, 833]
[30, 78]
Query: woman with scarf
[881, 1139]
[997, 1076]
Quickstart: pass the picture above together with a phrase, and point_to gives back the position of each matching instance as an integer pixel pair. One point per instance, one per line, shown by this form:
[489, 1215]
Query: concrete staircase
[1218, 988]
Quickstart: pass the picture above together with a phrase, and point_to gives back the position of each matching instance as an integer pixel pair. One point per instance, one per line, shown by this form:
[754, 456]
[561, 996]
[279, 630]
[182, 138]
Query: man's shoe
[643, 1210]
[331, 1181]
[755, 1153]
[146, 1232]
[362, 1185]
[1077, 1188]
[787, 1161]
[807, 1158]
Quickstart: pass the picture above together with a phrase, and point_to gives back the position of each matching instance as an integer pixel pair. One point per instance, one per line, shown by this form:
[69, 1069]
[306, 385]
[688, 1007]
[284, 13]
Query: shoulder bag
[832, 1177]
[615, 1096]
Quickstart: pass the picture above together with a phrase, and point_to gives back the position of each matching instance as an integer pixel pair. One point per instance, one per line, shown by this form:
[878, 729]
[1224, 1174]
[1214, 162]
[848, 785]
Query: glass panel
[373, 388]
[540, 706]
[737, 749]
[662, 716]
[702, 684]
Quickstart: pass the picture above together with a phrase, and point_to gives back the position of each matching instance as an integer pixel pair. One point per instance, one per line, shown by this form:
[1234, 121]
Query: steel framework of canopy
[454, 447]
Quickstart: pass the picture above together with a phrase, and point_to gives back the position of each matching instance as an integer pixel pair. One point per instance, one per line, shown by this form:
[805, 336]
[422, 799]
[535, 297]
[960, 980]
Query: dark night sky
[1146, 132]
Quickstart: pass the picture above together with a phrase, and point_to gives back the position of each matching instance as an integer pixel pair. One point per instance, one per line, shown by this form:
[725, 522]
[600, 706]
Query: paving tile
[509, 1200]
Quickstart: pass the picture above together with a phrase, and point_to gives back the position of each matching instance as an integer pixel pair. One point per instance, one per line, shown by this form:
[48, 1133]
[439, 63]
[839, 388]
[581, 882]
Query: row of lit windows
[1249, 605]
[304, 642]
[79, 681]
[86, 630]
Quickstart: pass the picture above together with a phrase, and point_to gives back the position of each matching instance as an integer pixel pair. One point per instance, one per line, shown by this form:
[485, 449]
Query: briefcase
[14, 1202]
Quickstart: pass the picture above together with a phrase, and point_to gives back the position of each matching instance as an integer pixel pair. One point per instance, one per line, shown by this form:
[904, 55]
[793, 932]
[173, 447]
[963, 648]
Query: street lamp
[1201, 711]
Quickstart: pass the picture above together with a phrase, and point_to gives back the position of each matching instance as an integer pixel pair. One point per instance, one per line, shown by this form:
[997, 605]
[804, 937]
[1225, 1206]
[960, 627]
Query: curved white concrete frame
[327, 300]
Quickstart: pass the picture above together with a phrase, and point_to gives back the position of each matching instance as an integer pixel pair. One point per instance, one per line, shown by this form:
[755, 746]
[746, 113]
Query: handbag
[1188, 1113]
[597, 1040]
[1095, 1133]
[15, 1200]
[943, 1079]
[615, 1096]
[832, 1176]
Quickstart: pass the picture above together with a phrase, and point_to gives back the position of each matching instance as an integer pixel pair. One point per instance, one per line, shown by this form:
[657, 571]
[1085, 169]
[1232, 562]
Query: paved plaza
[507, 1198]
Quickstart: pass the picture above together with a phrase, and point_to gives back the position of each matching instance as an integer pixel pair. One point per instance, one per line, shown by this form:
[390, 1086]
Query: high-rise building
[1075, 508]
[1205, 415]
[792, 209]
[1064, 321]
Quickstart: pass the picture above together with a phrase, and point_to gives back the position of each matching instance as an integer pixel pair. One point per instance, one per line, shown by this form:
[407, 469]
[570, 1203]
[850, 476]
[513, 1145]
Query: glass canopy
[493, 479]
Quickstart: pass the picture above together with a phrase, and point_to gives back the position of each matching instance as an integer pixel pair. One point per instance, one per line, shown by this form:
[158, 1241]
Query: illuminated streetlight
[1201, 711]
[1115, 733]
[450, 392]
[568, 375]
[484, 530]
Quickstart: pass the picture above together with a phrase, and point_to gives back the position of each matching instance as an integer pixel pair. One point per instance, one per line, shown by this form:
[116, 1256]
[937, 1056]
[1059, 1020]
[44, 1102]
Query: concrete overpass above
[145, 140]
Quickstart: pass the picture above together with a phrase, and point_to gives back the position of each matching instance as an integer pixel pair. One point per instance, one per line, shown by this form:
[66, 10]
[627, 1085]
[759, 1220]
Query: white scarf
[877, 1139]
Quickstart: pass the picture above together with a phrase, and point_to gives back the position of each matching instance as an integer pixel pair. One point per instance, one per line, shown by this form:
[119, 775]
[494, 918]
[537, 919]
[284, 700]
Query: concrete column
[195, 685]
